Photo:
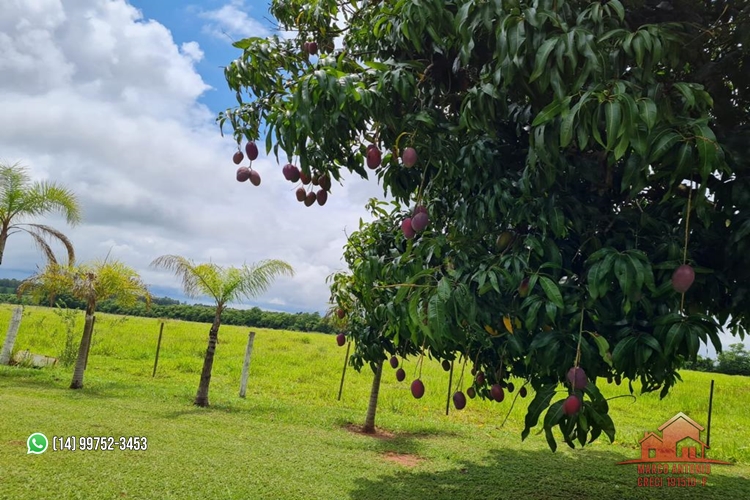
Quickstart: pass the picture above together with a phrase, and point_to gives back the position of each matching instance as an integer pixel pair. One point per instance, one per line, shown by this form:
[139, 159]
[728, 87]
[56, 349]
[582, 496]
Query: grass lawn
[289, 438]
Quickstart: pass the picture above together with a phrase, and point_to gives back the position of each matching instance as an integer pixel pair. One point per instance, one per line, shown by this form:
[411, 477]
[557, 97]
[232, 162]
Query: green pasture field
[291, 439]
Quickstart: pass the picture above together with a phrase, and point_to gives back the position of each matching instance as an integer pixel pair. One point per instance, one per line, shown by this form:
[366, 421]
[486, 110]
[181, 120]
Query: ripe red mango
[683, 278]
[577, 378]
[409, 157]
[243, 174]
[252, 151]
[417, 389]
[459, 400]
[407, 229]
[571, 405]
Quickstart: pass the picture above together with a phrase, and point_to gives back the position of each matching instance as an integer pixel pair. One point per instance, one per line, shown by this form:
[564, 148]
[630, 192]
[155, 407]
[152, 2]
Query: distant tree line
[735, 361]
[165, 307]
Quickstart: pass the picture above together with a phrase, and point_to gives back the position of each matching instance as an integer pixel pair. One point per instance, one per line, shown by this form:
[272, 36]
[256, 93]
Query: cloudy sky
[117, 100]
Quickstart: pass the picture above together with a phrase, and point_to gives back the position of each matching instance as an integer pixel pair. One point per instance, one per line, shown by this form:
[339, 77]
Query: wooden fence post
[158, 348]
[246, 364]
[10, 337]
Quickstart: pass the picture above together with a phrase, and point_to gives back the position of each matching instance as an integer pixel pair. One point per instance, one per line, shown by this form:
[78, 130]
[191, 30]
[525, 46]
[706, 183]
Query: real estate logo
[677, 457]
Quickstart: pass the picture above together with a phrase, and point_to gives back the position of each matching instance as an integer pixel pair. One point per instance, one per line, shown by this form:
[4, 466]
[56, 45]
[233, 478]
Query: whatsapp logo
[37, 443]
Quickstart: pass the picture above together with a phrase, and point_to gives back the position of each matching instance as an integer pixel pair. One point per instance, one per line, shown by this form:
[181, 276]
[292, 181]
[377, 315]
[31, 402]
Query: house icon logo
[679, 442]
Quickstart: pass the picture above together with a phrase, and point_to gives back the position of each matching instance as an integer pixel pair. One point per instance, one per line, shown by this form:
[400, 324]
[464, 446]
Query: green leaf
[708, 149]
[648, 112]
[550, 439]
[687, 93]
[622, 274]
[662, 143]
[684, 161]
[603, 346]
[552, 291]
[437, 317]
[554, 414]
[638, 271]
[674, 338]
[551, 309]
[594, 276]
[619, 9]
[557, 222]
[630, 176]
[540, 61]
[650, 341]
[552, 418]
[599, 255]
[537, 406]
[622, 146]
[567, 126]
[638, 48]
[622, 350]
[549, 112]
[444, 289]
[246, 43]
[533, 311]
[613, 117]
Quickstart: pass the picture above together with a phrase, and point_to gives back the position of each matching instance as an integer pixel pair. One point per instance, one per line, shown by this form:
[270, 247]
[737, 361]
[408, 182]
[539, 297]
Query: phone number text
[99, 443]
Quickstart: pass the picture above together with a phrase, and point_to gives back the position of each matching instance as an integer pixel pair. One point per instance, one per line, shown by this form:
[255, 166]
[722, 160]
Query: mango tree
[583, 168]
[361, 296]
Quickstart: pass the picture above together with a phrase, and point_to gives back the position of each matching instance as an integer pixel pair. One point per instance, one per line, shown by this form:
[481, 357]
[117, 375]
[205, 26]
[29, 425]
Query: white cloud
[106, 103]
[192, 50]
[232, 20]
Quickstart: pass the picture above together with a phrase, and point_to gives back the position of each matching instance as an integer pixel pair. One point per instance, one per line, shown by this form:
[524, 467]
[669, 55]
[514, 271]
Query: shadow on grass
[385, 433]
[543, 475]
[384, 440]
[258, 409]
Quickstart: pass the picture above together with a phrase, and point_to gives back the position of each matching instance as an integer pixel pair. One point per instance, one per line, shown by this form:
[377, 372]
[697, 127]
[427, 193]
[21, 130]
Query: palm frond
[232, 282]
[43, 246]
[258, 277]
[39, 231]
[114, 280]
[44, 197]
[196, 279]
[14, 179]
[49, 282]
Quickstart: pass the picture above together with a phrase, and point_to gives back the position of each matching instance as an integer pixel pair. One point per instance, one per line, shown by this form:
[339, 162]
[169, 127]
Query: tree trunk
[83, 349]
[3, 240]
[91, 339]
[201, 399]
[373, 405]
[10, 337]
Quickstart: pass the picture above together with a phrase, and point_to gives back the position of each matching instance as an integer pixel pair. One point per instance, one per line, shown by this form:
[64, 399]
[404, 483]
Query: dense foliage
[570, 156]
[735, 361]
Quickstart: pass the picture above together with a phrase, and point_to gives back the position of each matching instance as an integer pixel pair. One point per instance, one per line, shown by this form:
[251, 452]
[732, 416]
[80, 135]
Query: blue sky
[126, 95]
[191, 21]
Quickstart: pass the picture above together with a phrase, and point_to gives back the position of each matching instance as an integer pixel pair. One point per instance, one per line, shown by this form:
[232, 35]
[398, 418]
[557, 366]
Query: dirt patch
[16, 443]
[402, 459]
[379, 433]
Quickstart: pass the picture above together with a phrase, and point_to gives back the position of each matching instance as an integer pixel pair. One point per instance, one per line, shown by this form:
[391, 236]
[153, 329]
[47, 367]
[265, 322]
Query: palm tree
[21, 200]
[91, 283]
[224, 285]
